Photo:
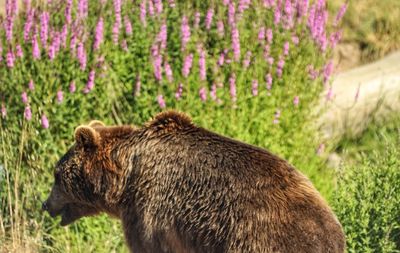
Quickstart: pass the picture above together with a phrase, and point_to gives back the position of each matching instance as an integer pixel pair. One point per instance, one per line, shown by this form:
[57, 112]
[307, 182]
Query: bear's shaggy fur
[180, 188]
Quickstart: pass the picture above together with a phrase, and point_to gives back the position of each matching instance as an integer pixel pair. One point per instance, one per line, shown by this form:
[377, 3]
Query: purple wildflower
[279, 69]
[171, 3]
[213, 92]
[296, 100]
[162, 36]
[90, 83]
[185, 30]
[232, 87]
[270, 60]
[196, 19]
[28, 24]
[202, 64]
[151, 8]
[98, 37]
[10, 59]
[203, 94]
[159, 6]
[72, 87]
[44, 27]
[124, 45]
[18, 51]
[128, 25]
[3, 111]
[247, 60]
[302, 8]
[269, 35]
[60, 96]
[161, 101]
[261, 34]
[268, 79]
[82, 9]
[328, 69]
[24, 97]
[63, 35]
[157, 62]
[295, 40]
[45, 121]
[286, 48]
[235, 43]
[209, 18]
[231, 14]
[68, 12]
[81, 54]
[31, 85]
[115, 32]
[340, 14]
[267, 50]
[178, 93]
[143, 12]
[187, 65]
[168, 71]
[221, 59]
[277, 13]
[254, 87]
[28, 113]
[335, 38]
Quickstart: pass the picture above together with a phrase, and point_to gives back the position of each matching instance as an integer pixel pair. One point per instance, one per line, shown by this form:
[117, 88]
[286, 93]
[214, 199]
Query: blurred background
[316, 82]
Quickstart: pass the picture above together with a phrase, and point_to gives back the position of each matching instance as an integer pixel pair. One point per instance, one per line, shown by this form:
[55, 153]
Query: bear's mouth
[67, 215]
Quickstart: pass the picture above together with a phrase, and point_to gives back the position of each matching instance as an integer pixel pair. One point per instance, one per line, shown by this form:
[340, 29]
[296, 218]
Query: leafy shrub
[249, 70]
[367, 203]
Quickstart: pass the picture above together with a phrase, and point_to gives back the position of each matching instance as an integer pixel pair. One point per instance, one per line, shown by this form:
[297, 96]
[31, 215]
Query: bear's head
[86, 174]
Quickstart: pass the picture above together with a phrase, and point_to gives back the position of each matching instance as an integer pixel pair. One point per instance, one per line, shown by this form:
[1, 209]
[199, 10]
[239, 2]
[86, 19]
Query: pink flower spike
[28, 113]
[10, 59]
[128, 26]
[213, 92]
[178, 93]
[269, 35]
[203, 94]
[72, 87]
[254, 88]
[161, 101]
[143, 12]
[18, 50]
[296, 100]
[3, 111]
[45, 122]
[187, 65]
[31, 85]
[98, 38]
[261, 34]
[60, 96]
[235, 43]
[209, 18]
[286, 48]
[24, 97]
[168, 72]
[185, 32]
[202, 64]
[340, 14]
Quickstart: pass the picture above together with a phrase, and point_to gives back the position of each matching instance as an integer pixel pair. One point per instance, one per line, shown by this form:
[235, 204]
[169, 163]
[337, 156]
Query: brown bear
[180, 188]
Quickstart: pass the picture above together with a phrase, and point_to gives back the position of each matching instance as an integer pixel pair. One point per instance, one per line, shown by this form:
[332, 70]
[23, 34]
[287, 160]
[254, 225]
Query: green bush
[367, 202]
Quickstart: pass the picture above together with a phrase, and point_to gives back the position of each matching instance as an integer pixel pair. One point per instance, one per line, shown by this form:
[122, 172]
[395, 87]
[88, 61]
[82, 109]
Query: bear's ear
[96, 123]
[87, 137]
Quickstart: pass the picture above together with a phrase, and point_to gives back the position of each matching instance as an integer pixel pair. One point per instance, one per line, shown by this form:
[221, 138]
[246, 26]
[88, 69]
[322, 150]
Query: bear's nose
[44, 206]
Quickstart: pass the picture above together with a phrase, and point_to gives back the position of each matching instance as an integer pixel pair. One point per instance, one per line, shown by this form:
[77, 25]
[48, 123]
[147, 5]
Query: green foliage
[367, 202]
